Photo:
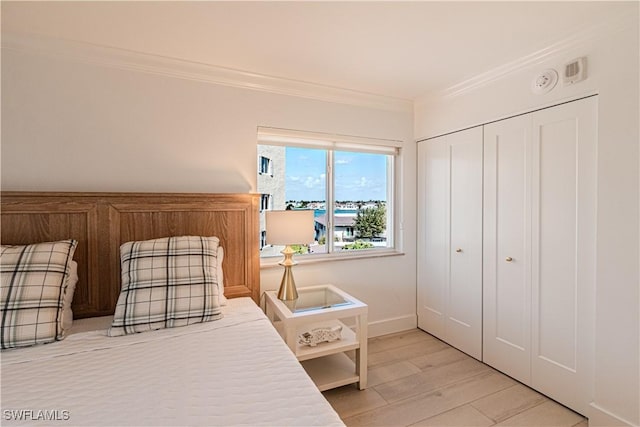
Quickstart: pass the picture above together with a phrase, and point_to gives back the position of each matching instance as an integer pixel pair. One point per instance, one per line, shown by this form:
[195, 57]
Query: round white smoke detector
[544, 82]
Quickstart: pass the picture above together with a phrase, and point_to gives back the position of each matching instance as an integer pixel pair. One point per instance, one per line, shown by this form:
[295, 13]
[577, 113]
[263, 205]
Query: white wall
[70, 126]
[613, 74]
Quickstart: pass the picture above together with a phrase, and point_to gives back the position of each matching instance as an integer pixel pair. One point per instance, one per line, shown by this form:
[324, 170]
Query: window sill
[272, 262]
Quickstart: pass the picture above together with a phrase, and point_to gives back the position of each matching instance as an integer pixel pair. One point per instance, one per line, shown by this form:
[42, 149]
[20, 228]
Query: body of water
[320, 212]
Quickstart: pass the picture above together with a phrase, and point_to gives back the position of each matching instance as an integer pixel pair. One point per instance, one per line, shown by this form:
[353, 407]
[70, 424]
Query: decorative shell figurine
[320, 335]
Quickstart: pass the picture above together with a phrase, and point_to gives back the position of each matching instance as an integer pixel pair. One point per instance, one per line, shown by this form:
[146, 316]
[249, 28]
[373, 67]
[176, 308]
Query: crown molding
[586, 35]
[189, 70]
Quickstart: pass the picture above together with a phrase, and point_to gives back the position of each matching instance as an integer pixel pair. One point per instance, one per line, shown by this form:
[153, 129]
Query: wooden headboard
[101, 222]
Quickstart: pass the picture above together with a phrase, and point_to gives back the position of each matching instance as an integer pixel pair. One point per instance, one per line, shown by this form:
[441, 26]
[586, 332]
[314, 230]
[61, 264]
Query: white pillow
[67, 299]
[221, 298]
[166, 283]
[32, 280]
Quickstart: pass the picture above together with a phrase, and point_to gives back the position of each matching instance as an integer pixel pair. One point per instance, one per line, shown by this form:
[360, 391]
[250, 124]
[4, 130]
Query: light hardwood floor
[417, 380]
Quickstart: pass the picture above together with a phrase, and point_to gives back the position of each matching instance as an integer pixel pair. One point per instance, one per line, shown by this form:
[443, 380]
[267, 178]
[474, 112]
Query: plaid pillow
[166, 283]
[32, 280]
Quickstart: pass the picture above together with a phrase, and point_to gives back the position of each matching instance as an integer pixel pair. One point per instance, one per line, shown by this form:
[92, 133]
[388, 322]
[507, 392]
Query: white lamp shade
[289, 227]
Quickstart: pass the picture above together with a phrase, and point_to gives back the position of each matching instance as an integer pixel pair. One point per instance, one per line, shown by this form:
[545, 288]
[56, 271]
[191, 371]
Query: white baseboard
[600, 417]
[395, 324]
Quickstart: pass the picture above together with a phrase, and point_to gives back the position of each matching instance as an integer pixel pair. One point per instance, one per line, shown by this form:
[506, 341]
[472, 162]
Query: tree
[358, 244]
[300, 249]
[371, 222]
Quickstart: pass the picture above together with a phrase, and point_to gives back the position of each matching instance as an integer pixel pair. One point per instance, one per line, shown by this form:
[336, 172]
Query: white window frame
[332, 143]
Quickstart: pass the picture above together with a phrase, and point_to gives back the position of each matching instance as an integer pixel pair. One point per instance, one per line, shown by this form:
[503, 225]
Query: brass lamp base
[287, 291]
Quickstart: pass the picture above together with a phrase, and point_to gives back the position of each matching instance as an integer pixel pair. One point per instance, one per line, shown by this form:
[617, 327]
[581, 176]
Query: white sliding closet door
[450, 239]
[433, 235]
[507, 243]
[539, 249]
[564, 192]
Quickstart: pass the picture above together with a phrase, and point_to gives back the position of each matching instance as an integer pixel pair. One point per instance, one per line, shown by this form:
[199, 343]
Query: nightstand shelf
[324, 306]
[331, 371]
[349, 340]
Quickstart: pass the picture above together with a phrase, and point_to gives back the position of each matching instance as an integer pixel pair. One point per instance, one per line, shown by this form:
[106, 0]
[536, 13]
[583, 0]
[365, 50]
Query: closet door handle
[459, 250]
[508, 259]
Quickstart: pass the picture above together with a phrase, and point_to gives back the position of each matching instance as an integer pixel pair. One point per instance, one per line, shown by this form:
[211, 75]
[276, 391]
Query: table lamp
[289, 228]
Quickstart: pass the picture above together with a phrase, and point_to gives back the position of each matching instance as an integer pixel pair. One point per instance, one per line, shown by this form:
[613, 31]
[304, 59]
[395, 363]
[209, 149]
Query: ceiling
[396, 49]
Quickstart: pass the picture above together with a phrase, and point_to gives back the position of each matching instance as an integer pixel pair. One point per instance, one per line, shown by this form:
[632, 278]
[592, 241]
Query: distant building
[347, 205]
[271, 182]
[344, 230]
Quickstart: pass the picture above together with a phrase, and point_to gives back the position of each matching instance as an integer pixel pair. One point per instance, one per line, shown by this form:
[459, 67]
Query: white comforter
[233, 371]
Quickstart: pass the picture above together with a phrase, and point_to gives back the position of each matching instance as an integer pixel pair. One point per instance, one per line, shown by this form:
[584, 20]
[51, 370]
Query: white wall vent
[544, 82]
[574, 71]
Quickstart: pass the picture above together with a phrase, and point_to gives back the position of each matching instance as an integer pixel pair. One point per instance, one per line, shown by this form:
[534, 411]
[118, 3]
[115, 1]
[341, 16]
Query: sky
[358, 176]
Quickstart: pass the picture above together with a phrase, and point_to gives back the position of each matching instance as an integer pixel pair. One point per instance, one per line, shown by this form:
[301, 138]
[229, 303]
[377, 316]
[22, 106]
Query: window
[348, 182]
[265, 202]
[263, 239]
[265, 166]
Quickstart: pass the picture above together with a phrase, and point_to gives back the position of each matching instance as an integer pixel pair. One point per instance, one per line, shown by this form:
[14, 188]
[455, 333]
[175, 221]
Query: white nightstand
[322, 306]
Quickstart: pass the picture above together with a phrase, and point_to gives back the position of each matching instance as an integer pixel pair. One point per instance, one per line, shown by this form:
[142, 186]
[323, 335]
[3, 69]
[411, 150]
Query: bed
[231, 371]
